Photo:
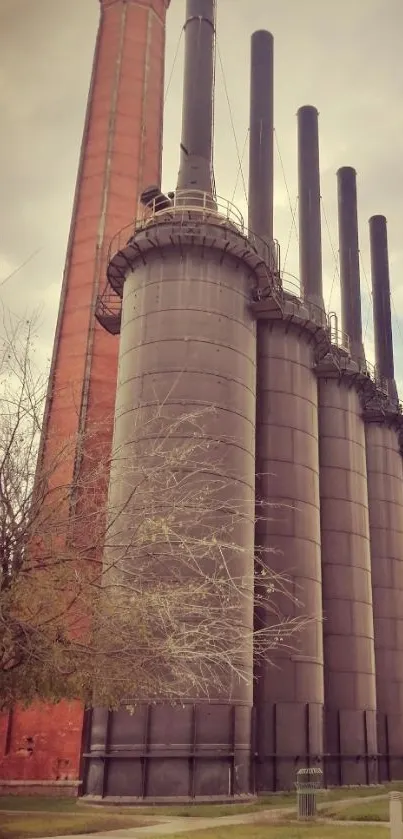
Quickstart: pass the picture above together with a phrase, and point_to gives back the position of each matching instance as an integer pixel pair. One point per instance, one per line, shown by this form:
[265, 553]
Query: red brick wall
[41, 742]
[121, 154]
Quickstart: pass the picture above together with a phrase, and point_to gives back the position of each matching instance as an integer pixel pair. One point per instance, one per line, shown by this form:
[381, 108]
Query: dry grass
[284, 831]
[371, 811]
[266, 802]
[33, 825]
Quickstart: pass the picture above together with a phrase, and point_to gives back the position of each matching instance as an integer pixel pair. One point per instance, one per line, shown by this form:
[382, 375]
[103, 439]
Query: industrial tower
[120, 155]
[303, 420]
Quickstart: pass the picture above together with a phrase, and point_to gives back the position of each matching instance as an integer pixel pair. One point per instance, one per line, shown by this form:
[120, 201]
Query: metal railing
[185, 201]
[291, 284]
[338, 338]
[186, 208]
[108, 311]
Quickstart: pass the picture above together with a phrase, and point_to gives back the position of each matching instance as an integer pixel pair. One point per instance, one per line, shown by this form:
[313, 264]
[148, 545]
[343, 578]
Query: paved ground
[182, 825]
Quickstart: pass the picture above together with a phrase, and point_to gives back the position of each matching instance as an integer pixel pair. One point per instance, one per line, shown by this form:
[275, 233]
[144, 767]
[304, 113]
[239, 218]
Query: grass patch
[214, 811]
[35, 825]
[372, 811]
[38, 803]
[76, 807]
[290, 831]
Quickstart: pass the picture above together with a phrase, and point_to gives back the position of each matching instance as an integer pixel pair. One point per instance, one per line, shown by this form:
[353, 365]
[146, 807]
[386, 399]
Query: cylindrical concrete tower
[289, 696]
[385, 492]
[350, 695]
[188, 340]
[120, 154]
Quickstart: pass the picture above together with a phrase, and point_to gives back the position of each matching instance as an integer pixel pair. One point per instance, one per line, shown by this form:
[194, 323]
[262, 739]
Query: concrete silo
[385, 492]
[188, 340]
[289, 690]
[350, 694]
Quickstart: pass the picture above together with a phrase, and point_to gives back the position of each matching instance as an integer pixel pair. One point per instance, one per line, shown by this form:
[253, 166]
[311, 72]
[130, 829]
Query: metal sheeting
[347, 596]
[385, 495]
[288, 475]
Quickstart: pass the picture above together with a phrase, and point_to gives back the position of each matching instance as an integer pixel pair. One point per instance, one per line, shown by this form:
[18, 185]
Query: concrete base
[118, 801]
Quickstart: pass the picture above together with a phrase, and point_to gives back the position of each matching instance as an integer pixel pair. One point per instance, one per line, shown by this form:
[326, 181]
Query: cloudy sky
[344, 57]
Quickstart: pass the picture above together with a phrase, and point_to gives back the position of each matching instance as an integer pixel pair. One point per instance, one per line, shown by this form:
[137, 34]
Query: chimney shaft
[261, 137]
[310, 236]
[350, 260]
[197, 115]
[381, 300]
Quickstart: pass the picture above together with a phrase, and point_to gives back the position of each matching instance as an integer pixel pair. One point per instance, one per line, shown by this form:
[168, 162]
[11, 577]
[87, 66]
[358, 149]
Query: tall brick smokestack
[120, 154]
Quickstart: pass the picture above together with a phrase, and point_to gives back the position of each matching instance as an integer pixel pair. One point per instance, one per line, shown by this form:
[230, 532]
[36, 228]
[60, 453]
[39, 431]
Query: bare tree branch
[150, 596]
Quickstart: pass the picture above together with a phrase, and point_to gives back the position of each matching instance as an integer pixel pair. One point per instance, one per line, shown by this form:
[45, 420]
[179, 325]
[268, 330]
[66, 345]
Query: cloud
[341, 57]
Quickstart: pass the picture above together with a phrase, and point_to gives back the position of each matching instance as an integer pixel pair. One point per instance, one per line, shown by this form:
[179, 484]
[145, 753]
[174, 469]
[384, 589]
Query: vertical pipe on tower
[381, 302]
[310, 237]
[261, 140]
[350, 260]
[196, 169]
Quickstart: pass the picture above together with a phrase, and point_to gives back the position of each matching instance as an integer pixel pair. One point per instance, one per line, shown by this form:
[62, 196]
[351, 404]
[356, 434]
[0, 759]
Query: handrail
[338, 338]
[291, 284]
[183, 207]
[192, 200]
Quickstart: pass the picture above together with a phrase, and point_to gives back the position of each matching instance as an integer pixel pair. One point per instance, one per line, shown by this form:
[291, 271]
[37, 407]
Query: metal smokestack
[350, 260]
[261, 137]
[381, 302]
[196, 171]
[310, 236]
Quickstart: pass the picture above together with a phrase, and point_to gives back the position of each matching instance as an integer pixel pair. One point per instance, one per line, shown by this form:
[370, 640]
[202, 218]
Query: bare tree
[151, 595]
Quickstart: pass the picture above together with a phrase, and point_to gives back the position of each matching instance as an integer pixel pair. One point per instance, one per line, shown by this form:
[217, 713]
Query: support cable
[232, 122]
[293, 213]
[294, 224]
[367, 320]
[19, 268]
[173, 65]
[336, 272]
[240, 167]
[396, 318]
[362, 268]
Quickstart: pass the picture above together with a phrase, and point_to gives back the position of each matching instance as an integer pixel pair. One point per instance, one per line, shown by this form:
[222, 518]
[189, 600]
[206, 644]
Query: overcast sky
[344, 56]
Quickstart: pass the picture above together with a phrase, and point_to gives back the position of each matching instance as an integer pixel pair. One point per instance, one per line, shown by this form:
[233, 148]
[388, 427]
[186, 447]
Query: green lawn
[35, 803]
[20, 826]
[293, 831]
[371, 811]
[74, 806]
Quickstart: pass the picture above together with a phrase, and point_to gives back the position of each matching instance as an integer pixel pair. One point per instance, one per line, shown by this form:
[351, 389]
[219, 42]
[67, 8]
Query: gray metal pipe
[381, 298]
[350, 260]
[196, 171]
[310, 235]
[261, 136]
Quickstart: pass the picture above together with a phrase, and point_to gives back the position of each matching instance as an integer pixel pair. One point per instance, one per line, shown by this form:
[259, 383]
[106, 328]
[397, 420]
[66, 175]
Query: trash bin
[308, 783]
